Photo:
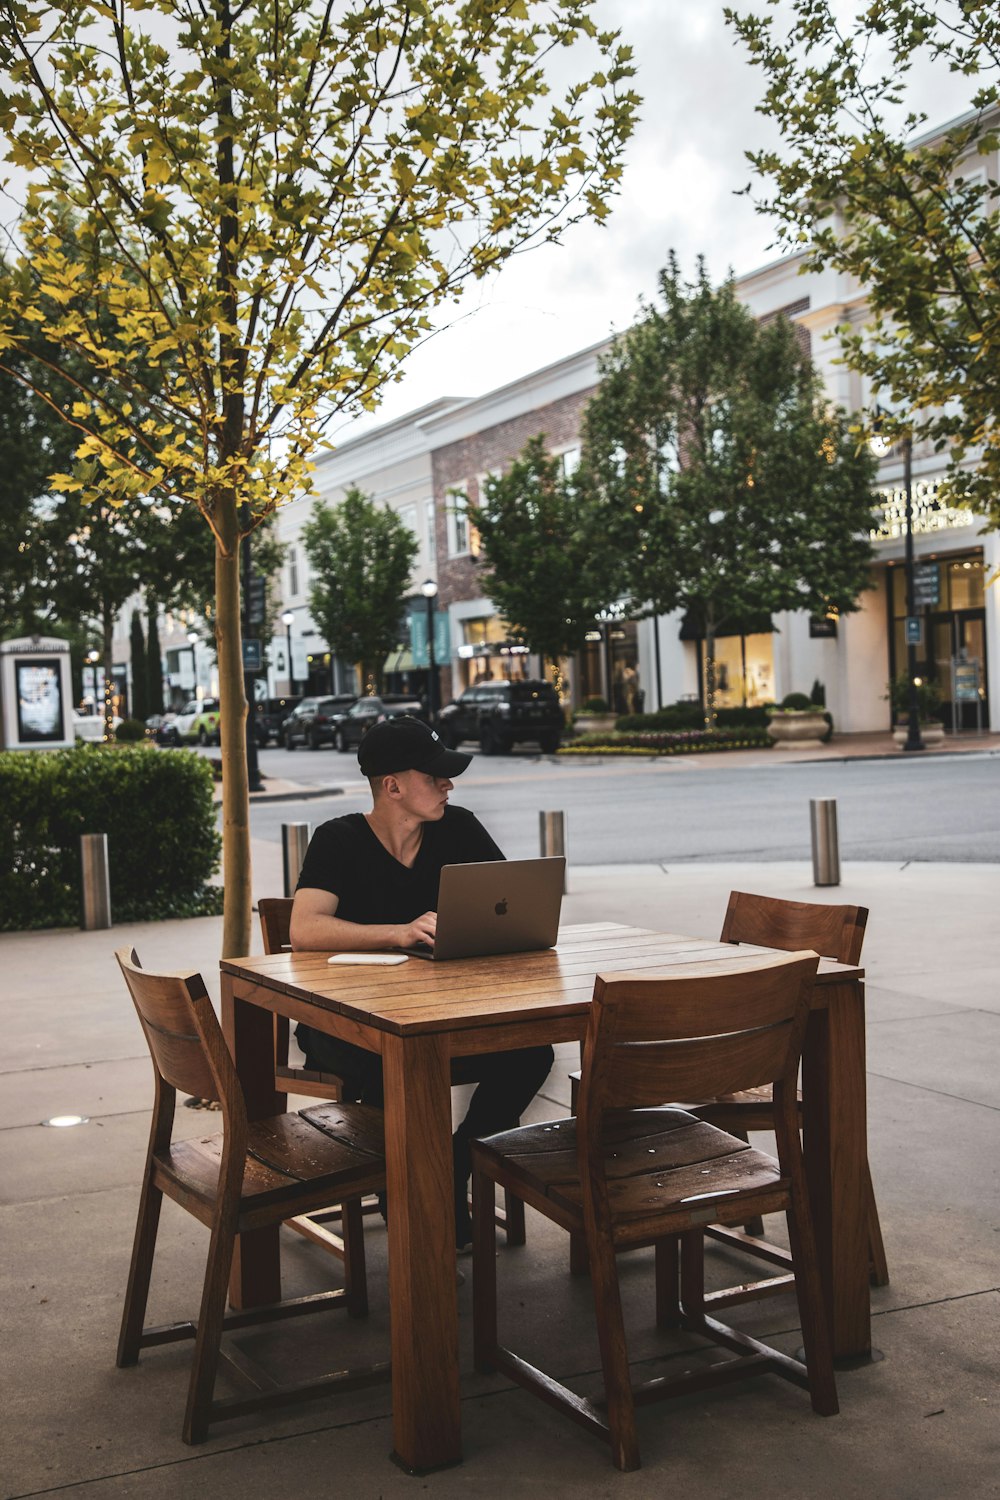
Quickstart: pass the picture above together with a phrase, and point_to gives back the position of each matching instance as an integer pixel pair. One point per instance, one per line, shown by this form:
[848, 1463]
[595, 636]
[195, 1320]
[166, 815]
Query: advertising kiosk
[36, 694]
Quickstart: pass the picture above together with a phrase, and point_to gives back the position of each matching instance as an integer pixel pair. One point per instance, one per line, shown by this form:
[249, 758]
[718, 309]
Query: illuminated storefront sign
[929, 513]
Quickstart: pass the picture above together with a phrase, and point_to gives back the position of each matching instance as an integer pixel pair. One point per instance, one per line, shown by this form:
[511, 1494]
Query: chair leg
[210, 1316]
[140, 1271]
[614, 1355]
[878, 1265]
[484, 1271]
[355, 1270]
[813, 1315]
[667, 1264]
[513, 1209]
[693, 1276]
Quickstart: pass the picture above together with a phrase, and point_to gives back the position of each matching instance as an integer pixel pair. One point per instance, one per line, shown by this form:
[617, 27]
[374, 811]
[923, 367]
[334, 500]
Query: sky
[683, 169]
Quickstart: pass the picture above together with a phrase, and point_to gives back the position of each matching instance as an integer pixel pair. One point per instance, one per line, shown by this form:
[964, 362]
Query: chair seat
[285, 1154]
[748, 1109]
[656, 1161]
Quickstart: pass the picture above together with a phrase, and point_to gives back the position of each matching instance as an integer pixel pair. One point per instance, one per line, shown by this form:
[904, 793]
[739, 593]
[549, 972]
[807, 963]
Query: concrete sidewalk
[922, 1421]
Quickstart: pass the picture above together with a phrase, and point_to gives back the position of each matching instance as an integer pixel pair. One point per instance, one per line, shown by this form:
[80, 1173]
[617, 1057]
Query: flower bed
[676, 742]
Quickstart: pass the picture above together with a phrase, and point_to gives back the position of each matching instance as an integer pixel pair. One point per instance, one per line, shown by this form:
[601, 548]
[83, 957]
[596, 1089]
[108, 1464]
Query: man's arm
[315, 926]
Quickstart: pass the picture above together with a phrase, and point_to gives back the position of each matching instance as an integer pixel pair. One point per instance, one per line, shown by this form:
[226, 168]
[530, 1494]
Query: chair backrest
[275, 922]
[183, 1034]
[692, 1034]
[831, 931]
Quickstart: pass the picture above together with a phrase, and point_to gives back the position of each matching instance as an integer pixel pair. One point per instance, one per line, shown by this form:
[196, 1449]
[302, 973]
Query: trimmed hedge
[157, 811]
[682, 742]
[691, 716]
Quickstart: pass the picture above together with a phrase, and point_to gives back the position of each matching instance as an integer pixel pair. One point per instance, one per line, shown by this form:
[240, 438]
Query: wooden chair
[833, 932]
[275, 923]
[624, 1175]
[836, 932]
[250, 1176]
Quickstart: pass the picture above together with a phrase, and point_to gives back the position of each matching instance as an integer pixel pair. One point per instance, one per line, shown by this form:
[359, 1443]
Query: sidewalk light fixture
[429, 590]
[287, 620]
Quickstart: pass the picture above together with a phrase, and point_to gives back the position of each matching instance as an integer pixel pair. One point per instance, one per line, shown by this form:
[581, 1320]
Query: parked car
[197, 723]
[270, 715]
[159, 728]
[500, 714]
[350, 730]
[313, 721]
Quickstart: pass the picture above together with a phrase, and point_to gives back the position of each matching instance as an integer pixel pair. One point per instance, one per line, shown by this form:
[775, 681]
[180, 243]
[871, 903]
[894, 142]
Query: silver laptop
[498, 906]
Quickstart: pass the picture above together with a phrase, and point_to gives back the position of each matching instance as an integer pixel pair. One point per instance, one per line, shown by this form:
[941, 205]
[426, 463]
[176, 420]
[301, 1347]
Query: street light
[93, 657]
[880, 445]
[287, 620]
[193, 639]
[429, 590]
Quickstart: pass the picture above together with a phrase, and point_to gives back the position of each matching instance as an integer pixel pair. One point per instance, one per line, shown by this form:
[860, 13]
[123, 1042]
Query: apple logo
[501, 908]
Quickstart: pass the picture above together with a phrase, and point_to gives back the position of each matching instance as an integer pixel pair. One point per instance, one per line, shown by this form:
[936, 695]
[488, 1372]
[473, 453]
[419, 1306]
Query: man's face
[423, 796]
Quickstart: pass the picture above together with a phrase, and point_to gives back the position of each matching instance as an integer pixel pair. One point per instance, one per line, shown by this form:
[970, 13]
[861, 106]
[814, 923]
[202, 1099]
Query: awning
[400, 660]
[757, 623]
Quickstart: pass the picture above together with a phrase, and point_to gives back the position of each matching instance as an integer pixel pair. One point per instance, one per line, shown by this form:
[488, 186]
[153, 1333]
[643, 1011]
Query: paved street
[944, 808]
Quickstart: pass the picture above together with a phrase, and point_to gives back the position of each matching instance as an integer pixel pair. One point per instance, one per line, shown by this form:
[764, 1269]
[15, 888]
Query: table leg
[255, 1278]
[424, 1311]
[836, 1152]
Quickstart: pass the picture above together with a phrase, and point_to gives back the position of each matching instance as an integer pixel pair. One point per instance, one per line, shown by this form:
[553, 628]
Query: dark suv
[368, 711]
[501, 714]
[270, 715]
[313, 722]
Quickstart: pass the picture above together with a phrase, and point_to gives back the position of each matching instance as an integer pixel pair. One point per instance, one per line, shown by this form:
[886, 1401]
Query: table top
[422, 997]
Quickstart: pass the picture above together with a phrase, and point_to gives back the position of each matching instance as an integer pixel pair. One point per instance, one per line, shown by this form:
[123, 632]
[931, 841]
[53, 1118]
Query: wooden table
[418, 1016]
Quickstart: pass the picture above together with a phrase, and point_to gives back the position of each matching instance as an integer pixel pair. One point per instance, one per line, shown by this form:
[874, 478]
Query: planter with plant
[797, 723]
[594, 717]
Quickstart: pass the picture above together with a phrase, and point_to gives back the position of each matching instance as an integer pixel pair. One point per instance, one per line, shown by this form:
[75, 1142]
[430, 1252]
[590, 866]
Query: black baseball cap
[408, 744]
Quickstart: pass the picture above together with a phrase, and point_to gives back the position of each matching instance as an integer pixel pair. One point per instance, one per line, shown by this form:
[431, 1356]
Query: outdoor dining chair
[251, 1175]
[835, 932]
[625, 1174]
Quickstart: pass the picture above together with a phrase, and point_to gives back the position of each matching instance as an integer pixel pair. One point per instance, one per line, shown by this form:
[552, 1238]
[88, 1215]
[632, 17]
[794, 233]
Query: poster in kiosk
[36, 694]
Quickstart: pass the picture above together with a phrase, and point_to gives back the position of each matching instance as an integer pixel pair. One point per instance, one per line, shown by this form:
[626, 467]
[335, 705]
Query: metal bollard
[552, 834]
[95, 882]
[294, 842]
[825, 843]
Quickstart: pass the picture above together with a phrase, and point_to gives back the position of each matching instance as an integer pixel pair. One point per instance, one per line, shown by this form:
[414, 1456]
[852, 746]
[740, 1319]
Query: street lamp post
[881, 446]
[429, 590]
[287, 620]
[193, 639]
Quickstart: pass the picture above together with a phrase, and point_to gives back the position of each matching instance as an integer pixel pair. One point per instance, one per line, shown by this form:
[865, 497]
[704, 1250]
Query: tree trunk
[236, 870]
[107, 707]
[154, 661]
[711, 718]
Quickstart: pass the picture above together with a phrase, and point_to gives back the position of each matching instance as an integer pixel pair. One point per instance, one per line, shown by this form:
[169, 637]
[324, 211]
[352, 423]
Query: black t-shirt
[346, 858]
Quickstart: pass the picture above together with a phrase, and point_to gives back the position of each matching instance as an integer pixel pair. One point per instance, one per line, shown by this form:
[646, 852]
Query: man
[369, 881]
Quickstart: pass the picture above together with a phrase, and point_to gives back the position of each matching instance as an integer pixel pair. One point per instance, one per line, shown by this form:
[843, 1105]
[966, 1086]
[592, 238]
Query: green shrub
[594, 705]
[798, 701]
[129, 731]
[157, 811]
[680, 716]
[817, 693]
[928, 698]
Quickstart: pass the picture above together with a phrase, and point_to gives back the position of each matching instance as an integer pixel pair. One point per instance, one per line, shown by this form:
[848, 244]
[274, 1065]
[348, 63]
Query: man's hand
[422, 930]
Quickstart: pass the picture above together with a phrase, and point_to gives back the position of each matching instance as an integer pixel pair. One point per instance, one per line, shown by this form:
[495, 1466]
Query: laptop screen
[498, 906]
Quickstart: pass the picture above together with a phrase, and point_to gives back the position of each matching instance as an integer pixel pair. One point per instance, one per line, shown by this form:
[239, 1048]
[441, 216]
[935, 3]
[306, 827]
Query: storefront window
[744, 670]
